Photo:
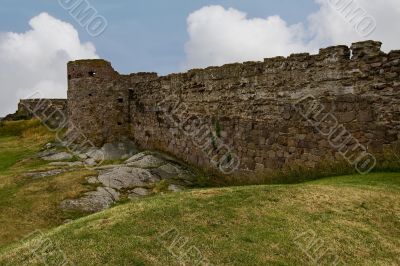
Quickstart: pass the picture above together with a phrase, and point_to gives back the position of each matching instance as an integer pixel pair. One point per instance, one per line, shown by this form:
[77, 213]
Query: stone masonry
[249, 116]
[42, 108]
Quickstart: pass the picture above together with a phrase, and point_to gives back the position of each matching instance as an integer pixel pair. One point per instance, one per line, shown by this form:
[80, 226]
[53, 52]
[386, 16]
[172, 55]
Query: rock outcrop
[136, 177]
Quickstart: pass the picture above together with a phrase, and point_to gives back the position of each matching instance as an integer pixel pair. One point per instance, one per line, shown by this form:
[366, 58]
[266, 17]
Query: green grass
[355, 217]
[9, 157]
[27, 204]
[20, 140]
[390, 180]
[388, 162]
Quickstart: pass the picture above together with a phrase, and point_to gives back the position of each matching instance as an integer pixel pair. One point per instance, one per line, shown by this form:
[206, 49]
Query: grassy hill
[355, 220]
[352, 220]
[27, 204]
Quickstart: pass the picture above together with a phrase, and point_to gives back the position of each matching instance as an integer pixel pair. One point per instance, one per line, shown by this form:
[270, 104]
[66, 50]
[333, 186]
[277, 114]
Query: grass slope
[28, 204]
[355, 217]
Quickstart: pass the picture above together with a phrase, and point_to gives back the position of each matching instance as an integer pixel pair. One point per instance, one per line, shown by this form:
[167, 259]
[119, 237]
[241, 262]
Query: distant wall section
[39, 108]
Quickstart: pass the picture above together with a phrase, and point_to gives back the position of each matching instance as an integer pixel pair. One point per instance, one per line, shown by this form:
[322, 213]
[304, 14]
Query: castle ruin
[299, 110]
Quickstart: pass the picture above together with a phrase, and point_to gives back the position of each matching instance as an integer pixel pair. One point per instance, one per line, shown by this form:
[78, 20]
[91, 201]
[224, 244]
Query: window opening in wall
[120, 100]
[119, 124]
[92, 73]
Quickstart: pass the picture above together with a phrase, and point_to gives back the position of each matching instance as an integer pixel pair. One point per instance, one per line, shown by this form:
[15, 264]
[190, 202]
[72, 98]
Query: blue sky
[145, 35]
[39, 37]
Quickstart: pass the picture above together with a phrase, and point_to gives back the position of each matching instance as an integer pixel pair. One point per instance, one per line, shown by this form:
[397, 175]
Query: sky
[38, 37]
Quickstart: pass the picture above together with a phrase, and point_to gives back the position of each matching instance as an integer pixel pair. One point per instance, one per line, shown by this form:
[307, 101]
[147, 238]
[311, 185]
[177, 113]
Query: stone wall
[298, 110]
[45, 109]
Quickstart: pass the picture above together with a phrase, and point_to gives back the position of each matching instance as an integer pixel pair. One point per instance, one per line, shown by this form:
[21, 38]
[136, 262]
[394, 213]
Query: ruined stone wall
[255, 115]
[34, 108]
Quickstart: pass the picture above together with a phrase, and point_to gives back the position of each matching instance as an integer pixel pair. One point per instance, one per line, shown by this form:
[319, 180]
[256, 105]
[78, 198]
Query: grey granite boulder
[90, 162]
[136, 157]
[127, 177]
[110, 151]
[134, 179]
[138, 192]
[119, 150]
[168, 171]
[148, 161]
[174, 188]
[38, 175]
[95, 155]
[92, 180]
[94, 201]
[62, 156]
[67, 164]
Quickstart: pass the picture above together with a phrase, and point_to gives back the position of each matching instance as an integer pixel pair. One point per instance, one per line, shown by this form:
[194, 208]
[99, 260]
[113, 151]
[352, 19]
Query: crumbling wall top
[326, 56]
[366, 49]
[142, 77]
[90, 69]
[339, 52]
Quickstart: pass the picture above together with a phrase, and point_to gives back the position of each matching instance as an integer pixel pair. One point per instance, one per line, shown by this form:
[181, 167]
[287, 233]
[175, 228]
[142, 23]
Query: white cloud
[36, 60]
[218, 35]
[330, 26]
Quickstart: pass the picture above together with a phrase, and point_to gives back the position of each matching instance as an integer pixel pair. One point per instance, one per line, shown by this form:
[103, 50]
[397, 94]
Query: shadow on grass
[295, 174]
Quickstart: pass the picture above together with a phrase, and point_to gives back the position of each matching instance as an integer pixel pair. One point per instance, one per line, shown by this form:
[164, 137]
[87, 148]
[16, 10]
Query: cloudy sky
[38, 38]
